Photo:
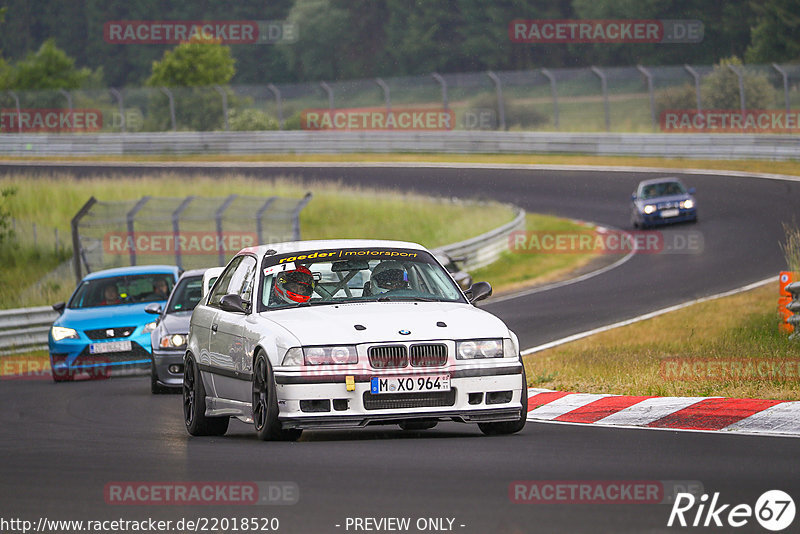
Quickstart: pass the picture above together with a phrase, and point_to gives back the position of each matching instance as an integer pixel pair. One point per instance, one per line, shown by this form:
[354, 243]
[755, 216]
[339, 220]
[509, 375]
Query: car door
[227, 343]
[209, 317]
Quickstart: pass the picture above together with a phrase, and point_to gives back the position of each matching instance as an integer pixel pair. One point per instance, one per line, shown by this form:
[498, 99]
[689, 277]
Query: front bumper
[163, 360]
[476, 396]
[655, 219]
[72, 356]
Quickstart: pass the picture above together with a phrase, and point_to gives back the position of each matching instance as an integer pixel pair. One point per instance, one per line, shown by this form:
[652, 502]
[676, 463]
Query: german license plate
[670, 213]
[110, 346]
[409, 384]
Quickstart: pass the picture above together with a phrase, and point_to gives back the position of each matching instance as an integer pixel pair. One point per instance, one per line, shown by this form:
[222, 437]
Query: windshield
[662, 189]
[117, 290]
[354, 275]
[186, 295]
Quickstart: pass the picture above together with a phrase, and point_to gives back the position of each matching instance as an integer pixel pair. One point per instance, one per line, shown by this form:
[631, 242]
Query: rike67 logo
[774, 510]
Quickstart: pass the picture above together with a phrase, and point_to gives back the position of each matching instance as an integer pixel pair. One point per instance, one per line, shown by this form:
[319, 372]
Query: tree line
[56, 44]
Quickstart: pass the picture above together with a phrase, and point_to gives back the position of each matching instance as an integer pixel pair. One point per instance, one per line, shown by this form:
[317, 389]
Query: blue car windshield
[186, 295]
[117, 290]
[662, 189]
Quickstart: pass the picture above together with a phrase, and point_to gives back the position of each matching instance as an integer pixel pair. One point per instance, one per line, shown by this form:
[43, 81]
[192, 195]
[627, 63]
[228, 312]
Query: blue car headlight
[60, 332]
[149, 327]
[648, 209]
[687, 204]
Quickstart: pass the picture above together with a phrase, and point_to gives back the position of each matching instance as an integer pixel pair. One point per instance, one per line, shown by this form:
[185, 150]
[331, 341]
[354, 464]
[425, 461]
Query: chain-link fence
[191, 232]
[622, 99]
[32, 235]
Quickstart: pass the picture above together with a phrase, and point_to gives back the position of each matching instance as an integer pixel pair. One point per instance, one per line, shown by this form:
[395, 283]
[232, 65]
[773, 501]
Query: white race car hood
[383, 321]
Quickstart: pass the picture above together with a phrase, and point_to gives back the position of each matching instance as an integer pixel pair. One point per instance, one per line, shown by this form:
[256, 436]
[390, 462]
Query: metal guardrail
[484, 249]
[704, 146]
[25, 329]
[794, 307]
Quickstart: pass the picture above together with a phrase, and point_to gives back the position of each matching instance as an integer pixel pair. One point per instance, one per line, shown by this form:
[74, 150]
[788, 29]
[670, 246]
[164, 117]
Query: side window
[222, 287]
[243, 278]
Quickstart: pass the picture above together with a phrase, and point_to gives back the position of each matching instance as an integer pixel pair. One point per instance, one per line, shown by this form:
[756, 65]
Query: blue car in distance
[104, 327]
[662, 201]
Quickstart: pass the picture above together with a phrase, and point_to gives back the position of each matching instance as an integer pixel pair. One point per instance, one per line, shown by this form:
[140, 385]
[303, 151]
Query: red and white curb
[703, 414]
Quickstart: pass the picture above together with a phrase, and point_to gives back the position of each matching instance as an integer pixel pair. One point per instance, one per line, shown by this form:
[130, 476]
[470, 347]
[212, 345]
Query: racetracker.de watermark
[378, 119]
[562, 31]
[184, 242]
[687, 369]
[29, 368]
[601, 491]
[201, 493]
[730, 121]
[227, 32]
[32, 120]
[605, 241]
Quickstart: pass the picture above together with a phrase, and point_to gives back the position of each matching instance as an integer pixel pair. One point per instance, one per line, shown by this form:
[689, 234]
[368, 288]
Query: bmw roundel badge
[404, 332]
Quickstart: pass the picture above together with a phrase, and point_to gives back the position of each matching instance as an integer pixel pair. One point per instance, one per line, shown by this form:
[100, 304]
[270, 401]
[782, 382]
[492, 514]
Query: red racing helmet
[294, 286]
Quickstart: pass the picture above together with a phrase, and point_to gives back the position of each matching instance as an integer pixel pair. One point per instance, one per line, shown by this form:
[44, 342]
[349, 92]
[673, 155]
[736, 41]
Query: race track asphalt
[62, 444]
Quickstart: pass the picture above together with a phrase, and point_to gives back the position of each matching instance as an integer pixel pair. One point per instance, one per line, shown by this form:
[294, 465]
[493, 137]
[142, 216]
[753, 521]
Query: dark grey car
[168, 340]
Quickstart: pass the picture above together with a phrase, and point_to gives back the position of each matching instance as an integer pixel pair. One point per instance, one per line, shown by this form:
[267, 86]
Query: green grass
[22, 268]
[629, 360]
[334, 212]
[513, 270]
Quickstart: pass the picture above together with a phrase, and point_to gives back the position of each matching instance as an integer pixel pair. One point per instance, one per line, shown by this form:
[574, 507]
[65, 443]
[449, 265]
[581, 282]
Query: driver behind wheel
[387, 276]
[294, 287]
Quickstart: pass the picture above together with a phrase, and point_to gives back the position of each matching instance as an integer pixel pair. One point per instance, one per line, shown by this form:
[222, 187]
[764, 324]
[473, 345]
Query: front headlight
[648, 209]
[59, 333]
[687, 204]
[174, 341]
[330, 355]
[149, 327]
[293, 357]
[479, 348]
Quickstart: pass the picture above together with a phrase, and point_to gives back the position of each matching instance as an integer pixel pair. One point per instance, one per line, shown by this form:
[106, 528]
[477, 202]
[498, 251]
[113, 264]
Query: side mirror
[154, 308]
[233, 303]
[479, 291]
[59, 307]
[692, 190]
[633, 196]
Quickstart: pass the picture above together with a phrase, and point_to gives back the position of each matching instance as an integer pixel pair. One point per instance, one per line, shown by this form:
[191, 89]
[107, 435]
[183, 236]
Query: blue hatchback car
[104, 327]
[662, 201]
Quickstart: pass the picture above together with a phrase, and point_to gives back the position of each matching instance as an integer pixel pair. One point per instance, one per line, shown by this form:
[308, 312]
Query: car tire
[421, 424]
[510, 427]
[265, 404]
[155, 387]
[194, 404]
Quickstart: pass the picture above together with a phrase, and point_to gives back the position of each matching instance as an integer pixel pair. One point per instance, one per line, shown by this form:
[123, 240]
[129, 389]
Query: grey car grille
[392, 401]
[429, 355]
[388, 356]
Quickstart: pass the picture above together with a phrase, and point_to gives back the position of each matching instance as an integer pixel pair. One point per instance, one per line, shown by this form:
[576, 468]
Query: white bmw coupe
[344, 334]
